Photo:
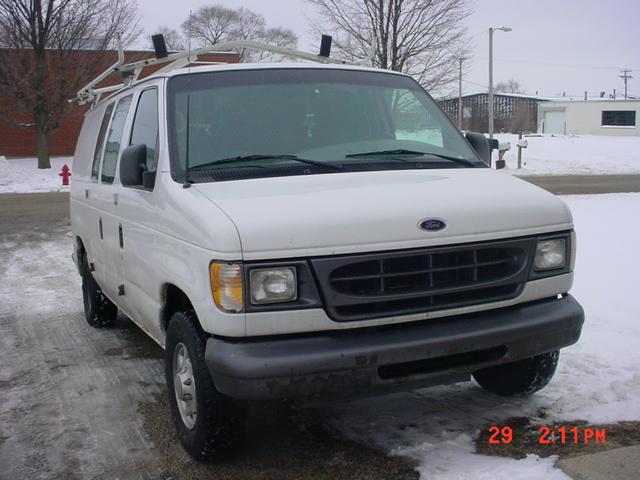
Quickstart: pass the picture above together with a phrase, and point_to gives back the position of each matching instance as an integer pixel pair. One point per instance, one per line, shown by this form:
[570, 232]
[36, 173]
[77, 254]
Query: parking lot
[86, 403]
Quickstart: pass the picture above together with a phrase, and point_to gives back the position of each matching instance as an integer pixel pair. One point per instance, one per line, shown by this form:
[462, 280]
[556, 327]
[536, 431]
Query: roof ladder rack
[131, 71]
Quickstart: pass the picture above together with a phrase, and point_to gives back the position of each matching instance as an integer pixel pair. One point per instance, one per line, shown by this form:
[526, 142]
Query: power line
[626, 75]
[476, 84]
[550, 64]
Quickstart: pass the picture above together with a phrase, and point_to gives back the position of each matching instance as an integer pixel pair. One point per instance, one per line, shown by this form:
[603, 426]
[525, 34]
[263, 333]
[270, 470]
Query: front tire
[99, 311]
[523, 377]
[208, 423]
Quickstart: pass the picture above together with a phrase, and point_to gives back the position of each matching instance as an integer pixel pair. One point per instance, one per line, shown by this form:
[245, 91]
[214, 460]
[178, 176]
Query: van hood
[328, 214]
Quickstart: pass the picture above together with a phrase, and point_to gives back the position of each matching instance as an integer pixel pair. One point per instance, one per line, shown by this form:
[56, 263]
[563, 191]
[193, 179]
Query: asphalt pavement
[56, 372]
[586, 184]
[83, 403]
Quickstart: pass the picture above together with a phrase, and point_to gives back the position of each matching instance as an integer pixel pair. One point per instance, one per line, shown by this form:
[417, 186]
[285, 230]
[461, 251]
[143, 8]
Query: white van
[299, 230]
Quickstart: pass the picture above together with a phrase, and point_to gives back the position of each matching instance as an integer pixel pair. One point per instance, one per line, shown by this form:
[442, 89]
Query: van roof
[225, 67]
[176, 65]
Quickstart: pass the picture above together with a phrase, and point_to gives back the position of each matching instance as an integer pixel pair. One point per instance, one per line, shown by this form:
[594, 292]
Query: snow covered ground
[22, 175]
[598, 379]
[573, 155]
[545, 155]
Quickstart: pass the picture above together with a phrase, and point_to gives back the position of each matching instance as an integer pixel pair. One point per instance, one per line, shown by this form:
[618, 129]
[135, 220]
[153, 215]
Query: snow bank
[22, 175]
[574, 155]
[598, 379]
[545, 155]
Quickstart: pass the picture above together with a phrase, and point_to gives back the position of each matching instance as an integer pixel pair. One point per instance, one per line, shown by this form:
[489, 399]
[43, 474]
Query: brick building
[21, 142]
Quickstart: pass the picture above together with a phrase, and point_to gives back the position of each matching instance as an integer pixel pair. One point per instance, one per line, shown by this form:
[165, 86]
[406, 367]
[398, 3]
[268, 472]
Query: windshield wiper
[241, 158]
[382, 153]
[398, 151]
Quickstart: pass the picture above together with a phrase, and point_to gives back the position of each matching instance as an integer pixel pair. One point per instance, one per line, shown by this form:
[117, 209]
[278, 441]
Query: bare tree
[47, 59]
[173, 39]
[510, 86]
[281, 37]
[424, 38]
[210, 24]
[214, 23]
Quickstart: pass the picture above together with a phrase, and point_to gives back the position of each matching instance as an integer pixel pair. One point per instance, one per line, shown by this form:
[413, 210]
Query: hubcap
[184, 385]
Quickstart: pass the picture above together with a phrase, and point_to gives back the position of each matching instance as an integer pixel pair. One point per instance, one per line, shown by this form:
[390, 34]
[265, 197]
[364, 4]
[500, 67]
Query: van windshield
[317, 120]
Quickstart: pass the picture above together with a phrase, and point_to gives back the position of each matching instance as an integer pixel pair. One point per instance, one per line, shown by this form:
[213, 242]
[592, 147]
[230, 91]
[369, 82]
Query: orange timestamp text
[551, 436]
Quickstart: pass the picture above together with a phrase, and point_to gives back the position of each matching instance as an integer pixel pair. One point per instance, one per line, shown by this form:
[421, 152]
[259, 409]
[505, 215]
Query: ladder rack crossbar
[131, 71]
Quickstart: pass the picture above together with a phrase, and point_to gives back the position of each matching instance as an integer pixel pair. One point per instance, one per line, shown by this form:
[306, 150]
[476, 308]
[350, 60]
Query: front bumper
[372, 361]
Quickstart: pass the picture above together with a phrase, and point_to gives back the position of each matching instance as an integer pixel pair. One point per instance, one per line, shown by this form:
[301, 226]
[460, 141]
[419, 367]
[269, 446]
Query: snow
[573, 155]
[22, 175]
[598, 379]
[545, 155]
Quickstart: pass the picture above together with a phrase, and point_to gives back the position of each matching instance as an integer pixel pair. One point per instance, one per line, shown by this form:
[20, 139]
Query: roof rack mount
[131, 71]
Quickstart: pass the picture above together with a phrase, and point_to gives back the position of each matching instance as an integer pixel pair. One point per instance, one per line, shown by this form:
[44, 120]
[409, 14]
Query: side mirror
[133, 163]
[482, 145]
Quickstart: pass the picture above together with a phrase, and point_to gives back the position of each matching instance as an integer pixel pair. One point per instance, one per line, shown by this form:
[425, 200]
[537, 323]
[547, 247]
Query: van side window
[111, 151]
[145, 126]
[95, 168]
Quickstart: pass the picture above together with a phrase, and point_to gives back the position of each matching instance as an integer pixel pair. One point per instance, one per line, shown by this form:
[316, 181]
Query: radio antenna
[187, 182]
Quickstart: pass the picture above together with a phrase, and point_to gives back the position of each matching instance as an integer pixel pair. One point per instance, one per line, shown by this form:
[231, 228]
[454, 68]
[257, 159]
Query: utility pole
[626, 75]
[490, 99]
[460, 95]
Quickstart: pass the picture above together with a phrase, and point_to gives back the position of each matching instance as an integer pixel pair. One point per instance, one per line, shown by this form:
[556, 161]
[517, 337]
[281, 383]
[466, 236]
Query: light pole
[490, 102]
[460, 94]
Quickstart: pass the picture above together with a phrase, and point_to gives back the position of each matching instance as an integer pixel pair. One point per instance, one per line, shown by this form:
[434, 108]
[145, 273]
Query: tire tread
[219, 419]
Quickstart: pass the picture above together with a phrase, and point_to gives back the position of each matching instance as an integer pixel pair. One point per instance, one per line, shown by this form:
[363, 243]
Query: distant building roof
[498, 94]
[594, 100]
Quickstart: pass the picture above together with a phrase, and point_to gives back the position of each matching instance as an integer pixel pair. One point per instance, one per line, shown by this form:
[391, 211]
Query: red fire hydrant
[65, 173]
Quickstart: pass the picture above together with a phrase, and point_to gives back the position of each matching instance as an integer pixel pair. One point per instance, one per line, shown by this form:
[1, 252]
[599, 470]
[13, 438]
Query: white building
[589, 117]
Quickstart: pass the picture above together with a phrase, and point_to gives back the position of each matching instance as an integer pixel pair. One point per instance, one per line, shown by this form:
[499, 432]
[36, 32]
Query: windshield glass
[342, 117]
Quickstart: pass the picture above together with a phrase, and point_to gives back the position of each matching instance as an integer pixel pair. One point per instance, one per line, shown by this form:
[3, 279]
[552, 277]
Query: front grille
[397, 283]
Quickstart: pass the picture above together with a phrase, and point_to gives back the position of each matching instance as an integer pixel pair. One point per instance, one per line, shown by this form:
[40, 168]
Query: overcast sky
[556, 46]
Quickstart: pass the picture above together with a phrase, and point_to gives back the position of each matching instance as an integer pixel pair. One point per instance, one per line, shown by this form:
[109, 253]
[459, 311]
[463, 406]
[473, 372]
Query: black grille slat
[415, 304]
[374, 296]
[394, 283]
[416, 272]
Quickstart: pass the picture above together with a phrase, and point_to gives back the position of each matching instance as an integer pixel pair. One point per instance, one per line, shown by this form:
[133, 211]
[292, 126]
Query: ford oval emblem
[432, 224]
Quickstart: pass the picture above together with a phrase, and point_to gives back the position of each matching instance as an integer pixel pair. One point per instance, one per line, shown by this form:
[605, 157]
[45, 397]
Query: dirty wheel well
[175, 301]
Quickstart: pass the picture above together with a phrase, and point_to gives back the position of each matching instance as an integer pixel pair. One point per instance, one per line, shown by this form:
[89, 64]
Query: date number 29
[500, 435]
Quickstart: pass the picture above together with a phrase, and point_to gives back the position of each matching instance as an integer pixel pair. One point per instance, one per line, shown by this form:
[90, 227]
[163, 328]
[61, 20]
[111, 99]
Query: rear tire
[99, 311]
[208, 423]
[523, 377]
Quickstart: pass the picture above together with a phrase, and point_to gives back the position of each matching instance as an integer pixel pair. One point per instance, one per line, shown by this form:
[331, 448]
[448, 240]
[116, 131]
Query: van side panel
[84, 219]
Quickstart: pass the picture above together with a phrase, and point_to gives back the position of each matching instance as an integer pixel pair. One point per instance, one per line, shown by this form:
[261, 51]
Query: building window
[618, 118]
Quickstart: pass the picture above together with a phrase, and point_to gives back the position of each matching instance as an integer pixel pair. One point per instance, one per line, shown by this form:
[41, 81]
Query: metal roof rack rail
[131, 71]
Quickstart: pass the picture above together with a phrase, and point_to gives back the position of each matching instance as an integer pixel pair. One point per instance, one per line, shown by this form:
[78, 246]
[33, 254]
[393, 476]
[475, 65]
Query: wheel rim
[184, 385]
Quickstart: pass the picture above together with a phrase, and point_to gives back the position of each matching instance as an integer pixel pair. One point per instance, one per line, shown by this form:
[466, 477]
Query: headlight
[273, 285]
[226, 286]
[550, 254]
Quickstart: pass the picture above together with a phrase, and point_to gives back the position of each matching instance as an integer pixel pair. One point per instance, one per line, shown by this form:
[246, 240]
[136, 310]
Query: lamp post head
[505, 29]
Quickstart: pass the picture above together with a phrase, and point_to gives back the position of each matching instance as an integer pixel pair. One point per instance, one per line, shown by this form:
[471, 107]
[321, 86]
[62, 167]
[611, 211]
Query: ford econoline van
[301, 230]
